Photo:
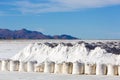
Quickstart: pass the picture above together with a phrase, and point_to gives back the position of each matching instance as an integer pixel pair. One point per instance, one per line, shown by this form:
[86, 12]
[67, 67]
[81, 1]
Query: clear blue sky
[86, 19]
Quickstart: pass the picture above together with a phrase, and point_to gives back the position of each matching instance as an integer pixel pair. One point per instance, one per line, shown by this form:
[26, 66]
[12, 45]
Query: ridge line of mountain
[27, 34]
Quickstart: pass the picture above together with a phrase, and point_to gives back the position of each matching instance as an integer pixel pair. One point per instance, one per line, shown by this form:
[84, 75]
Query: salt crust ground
[43, 76]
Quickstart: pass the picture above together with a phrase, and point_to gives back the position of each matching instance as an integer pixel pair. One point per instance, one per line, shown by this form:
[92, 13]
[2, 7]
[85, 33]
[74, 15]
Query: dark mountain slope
[27, 34]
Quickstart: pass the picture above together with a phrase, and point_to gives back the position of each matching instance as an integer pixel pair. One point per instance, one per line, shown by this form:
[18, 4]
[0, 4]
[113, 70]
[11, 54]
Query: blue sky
[85, 19]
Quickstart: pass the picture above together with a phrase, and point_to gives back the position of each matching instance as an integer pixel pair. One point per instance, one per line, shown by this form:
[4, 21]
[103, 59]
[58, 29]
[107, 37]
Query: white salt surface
[10, 47]
[42, 76]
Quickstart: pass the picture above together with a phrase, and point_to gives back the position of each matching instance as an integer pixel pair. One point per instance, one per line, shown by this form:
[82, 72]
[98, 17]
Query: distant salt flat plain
[9, 48]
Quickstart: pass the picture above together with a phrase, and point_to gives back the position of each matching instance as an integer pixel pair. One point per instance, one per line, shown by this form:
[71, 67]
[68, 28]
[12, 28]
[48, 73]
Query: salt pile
[100, 53]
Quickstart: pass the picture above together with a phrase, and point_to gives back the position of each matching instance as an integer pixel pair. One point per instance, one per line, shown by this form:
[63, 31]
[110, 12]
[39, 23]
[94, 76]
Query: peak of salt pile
[59, 54]
[68, 52]
[99, 55]
[77, 53]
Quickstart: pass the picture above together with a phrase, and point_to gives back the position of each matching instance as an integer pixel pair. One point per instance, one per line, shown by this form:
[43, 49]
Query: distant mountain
[27, 34]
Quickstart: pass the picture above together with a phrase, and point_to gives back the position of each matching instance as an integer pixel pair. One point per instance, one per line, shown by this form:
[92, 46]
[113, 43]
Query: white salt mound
[61, 52]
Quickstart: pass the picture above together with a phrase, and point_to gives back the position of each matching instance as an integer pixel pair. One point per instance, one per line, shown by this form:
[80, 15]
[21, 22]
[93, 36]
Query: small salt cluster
[75, 68]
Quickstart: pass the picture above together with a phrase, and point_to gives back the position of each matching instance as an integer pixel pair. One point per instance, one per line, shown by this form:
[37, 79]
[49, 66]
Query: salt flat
[43, 76]
[8, 48]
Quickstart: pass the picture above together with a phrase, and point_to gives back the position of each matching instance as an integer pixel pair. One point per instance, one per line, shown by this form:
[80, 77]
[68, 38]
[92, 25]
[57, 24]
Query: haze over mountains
[27, 34]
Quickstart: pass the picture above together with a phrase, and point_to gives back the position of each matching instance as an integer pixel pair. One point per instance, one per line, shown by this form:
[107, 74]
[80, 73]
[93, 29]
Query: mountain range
[27, 34]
